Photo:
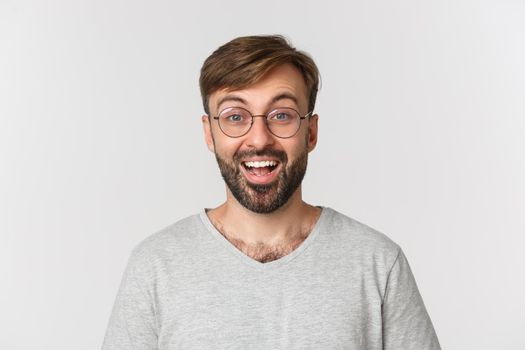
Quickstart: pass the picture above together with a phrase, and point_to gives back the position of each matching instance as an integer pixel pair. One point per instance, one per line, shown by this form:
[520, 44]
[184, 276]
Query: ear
[312, 132]
[208, 137]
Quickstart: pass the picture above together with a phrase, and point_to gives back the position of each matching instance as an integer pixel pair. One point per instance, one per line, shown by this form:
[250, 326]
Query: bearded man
[265, 270]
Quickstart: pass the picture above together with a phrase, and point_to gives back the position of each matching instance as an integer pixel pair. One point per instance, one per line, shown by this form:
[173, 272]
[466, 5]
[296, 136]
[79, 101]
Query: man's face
[261, 170]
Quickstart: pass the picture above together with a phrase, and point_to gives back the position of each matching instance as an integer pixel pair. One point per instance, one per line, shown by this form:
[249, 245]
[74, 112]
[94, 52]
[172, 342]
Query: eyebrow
[285, 96]
[235, 98]
[230, 98]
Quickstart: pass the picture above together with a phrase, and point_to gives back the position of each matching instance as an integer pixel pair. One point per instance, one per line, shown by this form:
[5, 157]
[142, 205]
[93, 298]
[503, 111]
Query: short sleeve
[406, 324]
[132, 325]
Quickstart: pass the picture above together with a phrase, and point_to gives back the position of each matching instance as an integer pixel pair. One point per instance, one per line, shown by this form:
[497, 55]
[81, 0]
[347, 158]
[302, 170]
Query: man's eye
[235, 118]
[281, 116]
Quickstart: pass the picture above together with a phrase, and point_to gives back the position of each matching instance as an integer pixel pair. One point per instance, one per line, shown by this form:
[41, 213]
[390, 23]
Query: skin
[264, 237]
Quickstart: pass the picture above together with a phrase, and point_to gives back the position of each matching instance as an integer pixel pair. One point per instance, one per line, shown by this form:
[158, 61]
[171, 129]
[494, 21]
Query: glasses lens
[235, 122]
[284, 122]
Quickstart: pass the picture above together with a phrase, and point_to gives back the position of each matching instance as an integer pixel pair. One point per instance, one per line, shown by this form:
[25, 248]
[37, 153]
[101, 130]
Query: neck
[294, 219]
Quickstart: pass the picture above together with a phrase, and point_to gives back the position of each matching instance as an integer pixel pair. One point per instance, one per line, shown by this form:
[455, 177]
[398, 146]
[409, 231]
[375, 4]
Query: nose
[259, 137]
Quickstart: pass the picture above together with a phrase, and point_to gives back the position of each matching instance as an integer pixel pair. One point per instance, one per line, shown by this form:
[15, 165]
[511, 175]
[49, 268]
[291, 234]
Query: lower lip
[262, 179]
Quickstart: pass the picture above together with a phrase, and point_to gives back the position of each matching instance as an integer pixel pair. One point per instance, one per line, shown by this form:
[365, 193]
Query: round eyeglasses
[281, 122]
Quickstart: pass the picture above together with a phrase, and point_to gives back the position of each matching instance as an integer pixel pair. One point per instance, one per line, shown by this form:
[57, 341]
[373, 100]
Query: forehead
[283, 82]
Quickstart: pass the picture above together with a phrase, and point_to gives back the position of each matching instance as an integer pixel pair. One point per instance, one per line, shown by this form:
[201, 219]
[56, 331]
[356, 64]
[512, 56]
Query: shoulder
[355, 239]
[171, 243]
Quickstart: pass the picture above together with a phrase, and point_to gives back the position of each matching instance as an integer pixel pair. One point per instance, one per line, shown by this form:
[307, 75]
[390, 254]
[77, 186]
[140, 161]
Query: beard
[263, 199]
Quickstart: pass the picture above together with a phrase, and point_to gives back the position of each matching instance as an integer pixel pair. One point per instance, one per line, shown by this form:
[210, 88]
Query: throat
[258, 249]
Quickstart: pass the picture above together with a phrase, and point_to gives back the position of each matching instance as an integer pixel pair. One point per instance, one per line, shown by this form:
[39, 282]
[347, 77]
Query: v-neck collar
[272, 264]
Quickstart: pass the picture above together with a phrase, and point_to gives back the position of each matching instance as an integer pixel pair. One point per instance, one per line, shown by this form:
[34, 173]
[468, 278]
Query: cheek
[295, 150]
[226, 148]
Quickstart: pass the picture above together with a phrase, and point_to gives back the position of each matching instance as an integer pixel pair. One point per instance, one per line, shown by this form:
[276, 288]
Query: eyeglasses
[281, 122]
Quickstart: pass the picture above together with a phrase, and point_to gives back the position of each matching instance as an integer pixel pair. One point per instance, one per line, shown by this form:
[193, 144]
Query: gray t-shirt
[346, 286]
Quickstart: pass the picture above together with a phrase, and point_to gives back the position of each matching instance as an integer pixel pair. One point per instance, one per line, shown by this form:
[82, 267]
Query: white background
[422, 131]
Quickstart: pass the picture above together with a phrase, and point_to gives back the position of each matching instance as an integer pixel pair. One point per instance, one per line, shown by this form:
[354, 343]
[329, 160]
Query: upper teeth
[260, 164]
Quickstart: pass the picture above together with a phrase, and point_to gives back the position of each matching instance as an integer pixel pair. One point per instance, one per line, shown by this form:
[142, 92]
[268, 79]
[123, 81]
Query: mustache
[280, 155]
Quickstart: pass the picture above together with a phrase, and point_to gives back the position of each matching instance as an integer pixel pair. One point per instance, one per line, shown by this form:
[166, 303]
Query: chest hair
[263, 252]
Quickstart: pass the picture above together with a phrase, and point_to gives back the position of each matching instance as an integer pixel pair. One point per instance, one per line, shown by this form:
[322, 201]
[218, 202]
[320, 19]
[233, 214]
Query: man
[266, 270]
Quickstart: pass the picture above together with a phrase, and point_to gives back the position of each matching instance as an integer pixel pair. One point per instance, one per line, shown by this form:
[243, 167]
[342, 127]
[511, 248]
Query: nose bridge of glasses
[264, 118]
[264, 121]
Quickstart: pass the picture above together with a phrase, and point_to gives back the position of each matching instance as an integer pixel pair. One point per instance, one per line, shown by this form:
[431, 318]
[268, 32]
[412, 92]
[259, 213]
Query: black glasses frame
[265, 116]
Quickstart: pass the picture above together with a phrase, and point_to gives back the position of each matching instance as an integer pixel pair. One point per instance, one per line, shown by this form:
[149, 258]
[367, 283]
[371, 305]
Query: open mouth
[260, 168]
